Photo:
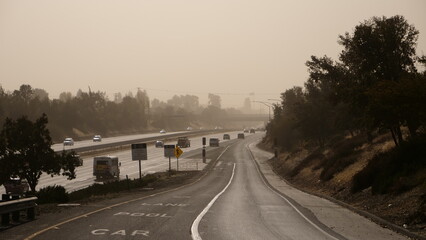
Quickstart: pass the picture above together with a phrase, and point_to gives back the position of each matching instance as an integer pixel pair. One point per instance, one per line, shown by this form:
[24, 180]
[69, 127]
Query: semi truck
[183, 142]
[106, 167]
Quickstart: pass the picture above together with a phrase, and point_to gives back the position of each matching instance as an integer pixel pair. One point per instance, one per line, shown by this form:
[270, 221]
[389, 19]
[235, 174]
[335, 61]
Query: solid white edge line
[194, 228]
[288, 201]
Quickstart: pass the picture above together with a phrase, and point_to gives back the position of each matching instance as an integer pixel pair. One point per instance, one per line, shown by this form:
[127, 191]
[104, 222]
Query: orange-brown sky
[229, 47]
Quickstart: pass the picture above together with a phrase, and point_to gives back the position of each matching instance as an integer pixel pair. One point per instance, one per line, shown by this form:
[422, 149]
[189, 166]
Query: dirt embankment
[305, 170]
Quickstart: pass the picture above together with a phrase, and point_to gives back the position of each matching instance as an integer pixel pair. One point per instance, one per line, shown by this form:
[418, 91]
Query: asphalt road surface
[190, 160]
[231, 201]
[88, 143]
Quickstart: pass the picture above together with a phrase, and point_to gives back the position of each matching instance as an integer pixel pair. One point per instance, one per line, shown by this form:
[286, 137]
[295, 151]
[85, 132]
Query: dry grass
[406, 208]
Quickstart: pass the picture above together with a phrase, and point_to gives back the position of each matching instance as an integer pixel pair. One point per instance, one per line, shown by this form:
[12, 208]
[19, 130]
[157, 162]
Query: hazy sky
[228, 47]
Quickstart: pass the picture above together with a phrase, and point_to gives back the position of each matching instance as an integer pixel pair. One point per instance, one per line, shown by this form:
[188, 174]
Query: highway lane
[249, 209]
[244, 208]
[167, 215]
[86, 143]
[190, 160]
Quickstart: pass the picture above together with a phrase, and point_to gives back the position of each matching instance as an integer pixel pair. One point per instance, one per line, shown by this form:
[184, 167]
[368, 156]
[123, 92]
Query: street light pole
[268, 105]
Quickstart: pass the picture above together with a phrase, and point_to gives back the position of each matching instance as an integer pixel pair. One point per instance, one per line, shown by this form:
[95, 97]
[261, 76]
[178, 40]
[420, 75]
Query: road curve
[245, 207]
[249, 209]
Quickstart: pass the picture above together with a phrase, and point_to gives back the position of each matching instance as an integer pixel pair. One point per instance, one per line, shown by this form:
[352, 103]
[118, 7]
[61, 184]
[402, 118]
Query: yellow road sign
[178, 152]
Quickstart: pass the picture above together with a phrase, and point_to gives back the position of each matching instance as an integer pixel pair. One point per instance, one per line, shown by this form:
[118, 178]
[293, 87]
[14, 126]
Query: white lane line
[194, 228]
[288, 201]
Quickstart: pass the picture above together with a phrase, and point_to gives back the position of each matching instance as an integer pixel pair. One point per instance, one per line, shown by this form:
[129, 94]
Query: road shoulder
[340, 219]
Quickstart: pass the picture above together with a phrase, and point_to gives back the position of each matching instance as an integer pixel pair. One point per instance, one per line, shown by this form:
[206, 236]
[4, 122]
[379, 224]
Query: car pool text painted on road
[121, 232]
[136, 233]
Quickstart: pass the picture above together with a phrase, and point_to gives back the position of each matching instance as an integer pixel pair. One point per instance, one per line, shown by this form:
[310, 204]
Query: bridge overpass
[245, 117]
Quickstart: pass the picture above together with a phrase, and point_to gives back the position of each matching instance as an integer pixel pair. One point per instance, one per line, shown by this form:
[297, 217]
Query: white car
[162, 131]
[97, 138]
[68, 142]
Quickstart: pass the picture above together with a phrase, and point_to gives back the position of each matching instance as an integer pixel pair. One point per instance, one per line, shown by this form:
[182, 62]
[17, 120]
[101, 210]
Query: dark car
[183, 142]
[240, 135]
[159, 144]
[226, 137]
[214, 142]
[16, 186]
[252, 130]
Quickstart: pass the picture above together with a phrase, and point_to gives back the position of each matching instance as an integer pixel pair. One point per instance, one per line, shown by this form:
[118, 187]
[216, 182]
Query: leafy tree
[285, 126]
[41, 94]
[214, 100]
[118, 98]
[188, 102]
[380, 49]
[65, 96]
[380, 52]
[26, 152]
[213, 115]
[367, 83]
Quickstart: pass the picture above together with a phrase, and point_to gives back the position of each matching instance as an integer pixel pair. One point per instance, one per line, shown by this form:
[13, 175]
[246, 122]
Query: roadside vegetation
[26, 153]
[58, 194]
[358, 126]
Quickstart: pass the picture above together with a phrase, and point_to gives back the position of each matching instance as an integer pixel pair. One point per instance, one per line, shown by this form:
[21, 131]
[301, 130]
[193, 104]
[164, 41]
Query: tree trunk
[393, 136]
[399, 134]
[32, 183]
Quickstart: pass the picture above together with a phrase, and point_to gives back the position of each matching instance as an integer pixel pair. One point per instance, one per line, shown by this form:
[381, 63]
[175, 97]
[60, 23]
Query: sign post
[139, 153]
[177, 152]
[276, 148]
[204, 150]
[169, 151]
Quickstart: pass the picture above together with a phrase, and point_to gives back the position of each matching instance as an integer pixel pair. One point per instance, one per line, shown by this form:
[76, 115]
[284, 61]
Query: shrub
[397, 170]
[305, 162]
[342, 155]
[52, 194]
[112, 187]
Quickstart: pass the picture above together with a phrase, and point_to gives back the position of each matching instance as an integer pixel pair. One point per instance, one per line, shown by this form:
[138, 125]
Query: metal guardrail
[14, 207]
[132, 141]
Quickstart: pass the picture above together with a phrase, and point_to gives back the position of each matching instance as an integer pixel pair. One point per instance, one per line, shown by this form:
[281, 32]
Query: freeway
[233, 200]
[190, 160]
[119, 139]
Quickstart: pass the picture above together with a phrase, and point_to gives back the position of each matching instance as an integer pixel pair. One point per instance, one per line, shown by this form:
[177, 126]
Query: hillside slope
[330, 171]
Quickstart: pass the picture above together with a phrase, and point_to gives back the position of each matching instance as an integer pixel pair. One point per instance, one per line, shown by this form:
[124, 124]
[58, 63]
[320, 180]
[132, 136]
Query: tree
[65, 96]
[377, 57]
[118, 98]
[214, 100]
[41, 94]
[380, 49]
[26, 152]
[380, 52]
[213, 115]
